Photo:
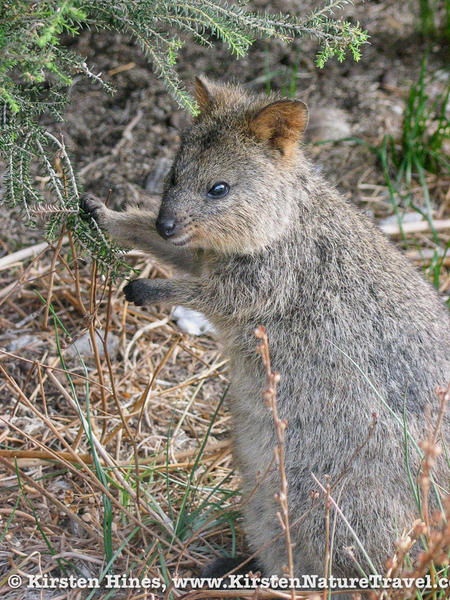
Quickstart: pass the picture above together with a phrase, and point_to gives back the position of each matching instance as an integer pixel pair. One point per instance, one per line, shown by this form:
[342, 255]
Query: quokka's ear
[202, 94]
[281, 124]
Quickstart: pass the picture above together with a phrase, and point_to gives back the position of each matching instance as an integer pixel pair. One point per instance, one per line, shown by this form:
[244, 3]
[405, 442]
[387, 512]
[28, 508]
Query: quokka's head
[231, 186]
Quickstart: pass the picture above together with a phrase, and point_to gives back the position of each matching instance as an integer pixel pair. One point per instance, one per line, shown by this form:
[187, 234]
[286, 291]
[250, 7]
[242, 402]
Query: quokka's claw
[90, 206]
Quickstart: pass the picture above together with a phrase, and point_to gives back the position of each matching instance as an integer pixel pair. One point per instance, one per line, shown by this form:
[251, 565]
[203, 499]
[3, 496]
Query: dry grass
[84, 439]
[120, 456]
[430, 532]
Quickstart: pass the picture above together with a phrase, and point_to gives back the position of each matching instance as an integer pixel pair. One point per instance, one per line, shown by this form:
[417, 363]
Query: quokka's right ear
[281, 124]
[203, 95]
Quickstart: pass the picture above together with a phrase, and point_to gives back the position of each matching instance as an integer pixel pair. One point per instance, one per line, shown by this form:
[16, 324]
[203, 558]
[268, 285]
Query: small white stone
[328, 123]
[191, 321]
[84, 346]
[409, 217]
[24, 341]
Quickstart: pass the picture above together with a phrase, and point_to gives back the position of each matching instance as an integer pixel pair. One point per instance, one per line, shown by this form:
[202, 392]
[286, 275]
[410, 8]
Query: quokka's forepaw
[137, 292]
[148, 291]
[91, 207]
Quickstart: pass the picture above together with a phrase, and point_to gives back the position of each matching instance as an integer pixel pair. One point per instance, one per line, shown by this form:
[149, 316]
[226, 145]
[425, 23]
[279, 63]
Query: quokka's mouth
[182, 240]
[184, 235]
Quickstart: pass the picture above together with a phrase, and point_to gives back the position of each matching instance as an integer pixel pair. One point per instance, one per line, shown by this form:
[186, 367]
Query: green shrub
[36, 70]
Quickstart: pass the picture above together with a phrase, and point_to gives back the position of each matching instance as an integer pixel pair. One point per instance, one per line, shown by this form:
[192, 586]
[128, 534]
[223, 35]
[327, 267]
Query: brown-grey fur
[283, 249]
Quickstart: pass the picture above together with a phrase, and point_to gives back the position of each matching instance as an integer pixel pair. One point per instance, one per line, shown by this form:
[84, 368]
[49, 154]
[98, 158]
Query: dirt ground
[154, 381]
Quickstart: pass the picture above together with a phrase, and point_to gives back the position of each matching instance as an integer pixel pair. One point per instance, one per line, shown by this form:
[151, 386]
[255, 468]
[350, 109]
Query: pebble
[191, 321]
[84, 346]
[24, 341]
[327, 123]
[409, 217]
[155, 179]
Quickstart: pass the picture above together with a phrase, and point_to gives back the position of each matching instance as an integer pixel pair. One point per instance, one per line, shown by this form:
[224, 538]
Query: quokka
[263, 239]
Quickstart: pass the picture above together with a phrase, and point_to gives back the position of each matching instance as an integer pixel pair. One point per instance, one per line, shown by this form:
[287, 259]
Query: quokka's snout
[166, 226]
[174, 225]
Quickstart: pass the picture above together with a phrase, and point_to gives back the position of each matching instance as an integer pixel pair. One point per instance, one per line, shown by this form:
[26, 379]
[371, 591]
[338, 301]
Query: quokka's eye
[218, 190]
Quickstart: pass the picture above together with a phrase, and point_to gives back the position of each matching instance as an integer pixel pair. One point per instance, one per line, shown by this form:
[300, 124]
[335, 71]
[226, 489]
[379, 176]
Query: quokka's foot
[223, 565]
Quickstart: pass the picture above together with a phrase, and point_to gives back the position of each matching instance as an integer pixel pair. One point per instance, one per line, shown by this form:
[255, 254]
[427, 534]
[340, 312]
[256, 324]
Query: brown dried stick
[270, 396]
[52, 278]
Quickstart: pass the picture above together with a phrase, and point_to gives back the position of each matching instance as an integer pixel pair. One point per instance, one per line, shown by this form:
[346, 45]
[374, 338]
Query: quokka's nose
[165, 227]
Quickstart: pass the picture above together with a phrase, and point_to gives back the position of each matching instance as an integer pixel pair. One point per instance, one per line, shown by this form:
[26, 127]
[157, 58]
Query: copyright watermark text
[303, 582]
